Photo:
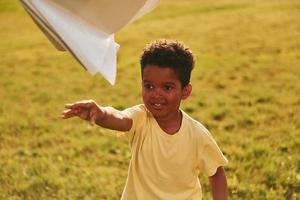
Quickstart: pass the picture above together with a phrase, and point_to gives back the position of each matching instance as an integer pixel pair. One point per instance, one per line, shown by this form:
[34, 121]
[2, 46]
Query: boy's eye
[168, 87]
[148, 86]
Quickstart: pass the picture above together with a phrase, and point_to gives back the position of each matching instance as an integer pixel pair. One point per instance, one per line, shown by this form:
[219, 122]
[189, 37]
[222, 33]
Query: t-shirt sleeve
[210, 155]
[136, 113]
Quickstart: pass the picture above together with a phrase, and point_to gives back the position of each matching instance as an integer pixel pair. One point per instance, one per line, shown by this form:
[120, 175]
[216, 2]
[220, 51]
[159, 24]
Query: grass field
[246, 90]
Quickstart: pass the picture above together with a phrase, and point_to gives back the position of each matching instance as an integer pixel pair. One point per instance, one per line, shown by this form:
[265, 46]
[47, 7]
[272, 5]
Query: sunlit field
[246, 91]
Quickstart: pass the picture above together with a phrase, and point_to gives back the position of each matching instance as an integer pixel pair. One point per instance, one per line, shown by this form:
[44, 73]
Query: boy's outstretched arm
[218, 183]
[106, 117]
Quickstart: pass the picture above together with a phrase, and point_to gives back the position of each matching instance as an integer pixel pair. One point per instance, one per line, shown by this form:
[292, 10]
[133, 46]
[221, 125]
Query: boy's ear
[186, 91]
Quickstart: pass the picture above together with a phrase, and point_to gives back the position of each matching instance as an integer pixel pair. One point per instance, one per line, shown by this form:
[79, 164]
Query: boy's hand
[87, 110]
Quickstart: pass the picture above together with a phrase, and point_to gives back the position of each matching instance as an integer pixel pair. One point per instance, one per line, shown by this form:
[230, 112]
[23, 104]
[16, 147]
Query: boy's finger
[69, 105]
[93, 116]
[92, 121]
[80, 104]
[69, 113]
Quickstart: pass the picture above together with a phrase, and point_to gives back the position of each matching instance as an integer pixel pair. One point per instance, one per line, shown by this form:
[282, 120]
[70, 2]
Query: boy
[168, 147]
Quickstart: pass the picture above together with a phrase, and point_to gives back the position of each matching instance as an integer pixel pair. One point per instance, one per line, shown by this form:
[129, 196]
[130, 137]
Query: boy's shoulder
[196, 126]
[135, 108]
[136, 111]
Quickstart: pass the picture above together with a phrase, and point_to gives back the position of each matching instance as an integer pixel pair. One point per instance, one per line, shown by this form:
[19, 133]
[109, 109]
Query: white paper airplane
[86, 28]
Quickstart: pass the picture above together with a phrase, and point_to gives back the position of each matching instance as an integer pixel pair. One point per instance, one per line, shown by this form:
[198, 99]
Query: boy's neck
[170, 125]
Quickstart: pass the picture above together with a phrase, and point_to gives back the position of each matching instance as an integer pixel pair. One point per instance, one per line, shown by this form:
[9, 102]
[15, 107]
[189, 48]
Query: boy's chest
[168, 157]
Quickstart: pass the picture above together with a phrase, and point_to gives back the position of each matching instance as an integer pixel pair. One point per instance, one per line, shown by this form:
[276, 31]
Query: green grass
[246, 90]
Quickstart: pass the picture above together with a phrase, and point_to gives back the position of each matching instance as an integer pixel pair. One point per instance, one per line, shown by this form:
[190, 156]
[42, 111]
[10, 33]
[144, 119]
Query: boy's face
[162, 91]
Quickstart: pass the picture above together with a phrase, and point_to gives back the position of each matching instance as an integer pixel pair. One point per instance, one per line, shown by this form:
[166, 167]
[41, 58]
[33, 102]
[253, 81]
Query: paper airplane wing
[85, 28]
[148, 7]
[43, 25]
[109, 16]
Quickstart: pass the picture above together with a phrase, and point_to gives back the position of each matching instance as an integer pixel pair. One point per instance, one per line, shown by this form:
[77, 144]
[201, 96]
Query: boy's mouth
[157, 106]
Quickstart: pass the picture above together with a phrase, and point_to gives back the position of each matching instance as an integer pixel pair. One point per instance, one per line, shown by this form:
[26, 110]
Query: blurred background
[246, 91]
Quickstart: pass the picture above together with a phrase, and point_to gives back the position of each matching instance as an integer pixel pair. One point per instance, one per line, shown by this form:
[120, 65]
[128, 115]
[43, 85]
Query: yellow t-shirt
[166, 167]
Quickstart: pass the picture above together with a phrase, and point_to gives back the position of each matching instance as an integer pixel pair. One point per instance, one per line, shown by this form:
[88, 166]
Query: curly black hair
[171, 54]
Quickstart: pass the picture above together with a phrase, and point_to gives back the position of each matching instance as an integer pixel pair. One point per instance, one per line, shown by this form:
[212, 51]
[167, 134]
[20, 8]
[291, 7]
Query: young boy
[169, 148]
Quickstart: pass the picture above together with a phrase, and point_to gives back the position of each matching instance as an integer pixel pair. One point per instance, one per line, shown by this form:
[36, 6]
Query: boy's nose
[157, 93]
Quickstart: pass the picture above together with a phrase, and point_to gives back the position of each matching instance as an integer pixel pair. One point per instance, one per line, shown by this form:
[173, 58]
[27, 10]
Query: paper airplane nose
[86, 28]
